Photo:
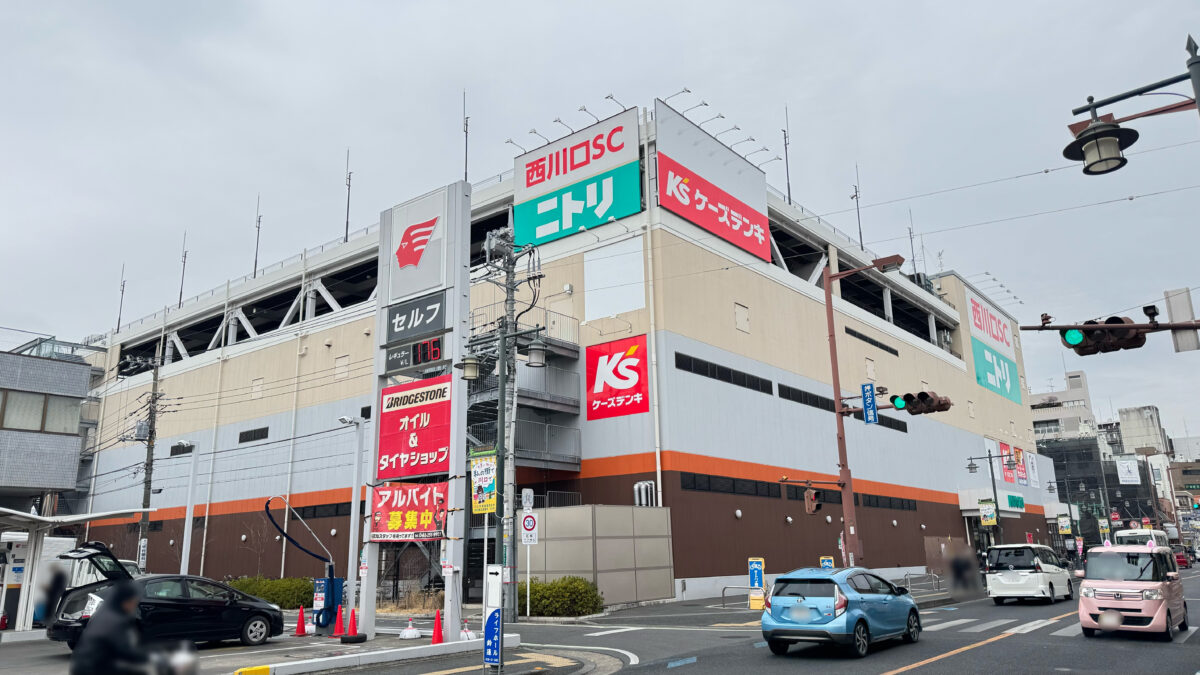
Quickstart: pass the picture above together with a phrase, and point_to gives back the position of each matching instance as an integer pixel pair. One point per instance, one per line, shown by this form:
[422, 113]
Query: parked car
[173, 607]
[847, 606]
[1182, 558]
[1134, 588]
[1026, 571]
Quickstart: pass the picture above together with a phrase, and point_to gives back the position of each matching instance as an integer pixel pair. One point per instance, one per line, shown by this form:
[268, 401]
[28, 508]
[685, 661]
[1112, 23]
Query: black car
[173, 607]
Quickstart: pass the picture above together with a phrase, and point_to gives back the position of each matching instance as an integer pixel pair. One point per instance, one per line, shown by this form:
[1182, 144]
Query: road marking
[1073, 629]
[610, 632]
[948, 654]
[987, 626]
[755, 622]
[760, 645]
[948, 624]
[547, 659]
[1185, 635]
[708, 629]
[633, 658]
[681, 662]
[233, 651]
[1041, 623]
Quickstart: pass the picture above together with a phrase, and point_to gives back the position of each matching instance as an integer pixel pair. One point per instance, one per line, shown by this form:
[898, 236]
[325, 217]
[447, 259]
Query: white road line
[610, 632]
[1031, 626]
[1184, 636]
[1073, 629]
[949, 624]
[633, 658]
[987, 626]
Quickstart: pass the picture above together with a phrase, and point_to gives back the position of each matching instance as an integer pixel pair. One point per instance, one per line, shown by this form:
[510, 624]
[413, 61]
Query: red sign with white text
[408, 512]
[414, 429]
[691, 197]
[1005, 453]
[618, 382]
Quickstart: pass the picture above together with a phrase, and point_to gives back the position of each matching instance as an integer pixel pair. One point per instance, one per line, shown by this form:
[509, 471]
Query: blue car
[847, 606]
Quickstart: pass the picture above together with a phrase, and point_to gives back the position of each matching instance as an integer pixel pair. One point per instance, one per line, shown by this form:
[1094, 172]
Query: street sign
[141, 560]
[1028, 537]
[870, 412]
[493, 639]
[1115, 517]
[756, 566]
[1103, 523]
[1145, 521]
[826, 562]
[529, 529]
[527, 500]
[987, 513]
[1133, 524]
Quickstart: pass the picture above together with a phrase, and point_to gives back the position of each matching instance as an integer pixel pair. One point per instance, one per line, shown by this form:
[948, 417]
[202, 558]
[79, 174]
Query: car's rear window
[806, 588]
[1126, 567]
[1017, 558]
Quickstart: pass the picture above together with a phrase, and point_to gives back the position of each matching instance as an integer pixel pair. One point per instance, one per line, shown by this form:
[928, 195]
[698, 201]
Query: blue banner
[870, 412]
[493, 639]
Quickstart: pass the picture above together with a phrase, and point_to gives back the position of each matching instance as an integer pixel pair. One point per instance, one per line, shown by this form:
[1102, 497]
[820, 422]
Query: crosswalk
[1064, 627]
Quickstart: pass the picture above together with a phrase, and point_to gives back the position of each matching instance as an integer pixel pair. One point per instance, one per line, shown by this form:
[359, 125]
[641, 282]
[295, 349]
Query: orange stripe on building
[298, 500]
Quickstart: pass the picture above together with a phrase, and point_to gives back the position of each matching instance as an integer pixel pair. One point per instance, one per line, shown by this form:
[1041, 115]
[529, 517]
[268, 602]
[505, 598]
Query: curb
[561, 619]
[368, 658]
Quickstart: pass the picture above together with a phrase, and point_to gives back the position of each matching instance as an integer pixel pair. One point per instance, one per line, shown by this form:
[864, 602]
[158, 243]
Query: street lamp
[850, 537]
[972, 467]
[355, 509]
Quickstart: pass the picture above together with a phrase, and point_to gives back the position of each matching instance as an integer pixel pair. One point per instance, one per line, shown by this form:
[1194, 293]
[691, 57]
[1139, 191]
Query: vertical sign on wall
[1022, 475]
[587, 179]
[1005, 454]
[993, 349]
[618, 381]
[424, 253]
[704, 182]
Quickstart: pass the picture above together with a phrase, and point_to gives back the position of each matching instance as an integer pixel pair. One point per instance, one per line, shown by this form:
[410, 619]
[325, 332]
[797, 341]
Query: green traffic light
[898, 401]
[1073, 336]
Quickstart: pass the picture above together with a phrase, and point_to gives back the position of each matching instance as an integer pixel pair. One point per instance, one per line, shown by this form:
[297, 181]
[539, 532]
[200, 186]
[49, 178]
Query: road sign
[1133, 524]
[1103, 524]
[527, 500]
[826, 562]
[493, 638]
[141, 560]
[1115, 517]
[756, 566]
[1028, 537]
[870, 412]
[1145, 521]
[529, 529]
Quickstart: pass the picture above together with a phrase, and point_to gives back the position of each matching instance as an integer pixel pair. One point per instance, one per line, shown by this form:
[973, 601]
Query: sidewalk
[384, 649]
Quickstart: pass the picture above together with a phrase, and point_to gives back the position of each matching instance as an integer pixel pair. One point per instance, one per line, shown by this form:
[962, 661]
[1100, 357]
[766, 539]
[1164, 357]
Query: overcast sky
[125, 123]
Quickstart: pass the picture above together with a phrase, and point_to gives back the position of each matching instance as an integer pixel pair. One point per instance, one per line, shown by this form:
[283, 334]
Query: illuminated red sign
[691, 197]
[414, 429]
[618, 382]
[408, 512]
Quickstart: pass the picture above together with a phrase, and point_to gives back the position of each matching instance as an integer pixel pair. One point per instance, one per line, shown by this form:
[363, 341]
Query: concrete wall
[625, 550]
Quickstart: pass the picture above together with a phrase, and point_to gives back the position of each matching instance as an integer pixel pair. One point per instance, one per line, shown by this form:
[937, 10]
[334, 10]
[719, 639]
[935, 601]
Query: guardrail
[924, 582]
[744, 588]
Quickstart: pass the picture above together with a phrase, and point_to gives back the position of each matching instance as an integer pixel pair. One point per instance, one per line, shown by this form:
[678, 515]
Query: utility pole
[509, 416]
[257, 230]
[349, 173]
[152, 428]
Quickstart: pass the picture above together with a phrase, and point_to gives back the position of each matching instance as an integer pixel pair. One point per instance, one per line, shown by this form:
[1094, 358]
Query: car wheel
[255, 631]
[861, 641]
[71, 644]
[778, 647]
[1050, 599]
[1183, 625]
[912, 632]
[1089, 632]
[998, 601]
[1070, 592]
[1169, 633]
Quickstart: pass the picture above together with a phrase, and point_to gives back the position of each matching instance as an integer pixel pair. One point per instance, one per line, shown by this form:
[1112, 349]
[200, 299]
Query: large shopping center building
[658, 246]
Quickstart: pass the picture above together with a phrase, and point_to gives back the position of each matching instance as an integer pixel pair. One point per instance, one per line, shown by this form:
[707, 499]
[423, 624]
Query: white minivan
[1140, 536]
[1026, 571]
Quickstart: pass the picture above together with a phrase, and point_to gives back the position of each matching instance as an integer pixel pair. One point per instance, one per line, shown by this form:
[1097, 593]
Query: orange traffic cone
[337, 627]
[437, 628]
[300, 624]
[353, 628]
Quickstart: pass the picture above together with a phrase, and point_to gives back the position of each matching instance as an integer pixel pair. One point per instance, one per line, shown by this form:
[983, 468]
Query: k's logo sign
[413, 242]
[618, 381]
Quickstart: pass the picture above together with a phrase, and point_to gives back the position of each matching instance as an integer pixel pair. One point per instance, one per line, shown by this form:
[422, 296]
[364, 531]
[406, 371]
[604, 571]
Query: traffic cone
[466, 633]
[337, 627]
[4, 621]
[437, 628]
[300, 624]
[410, 633]
[353, 629]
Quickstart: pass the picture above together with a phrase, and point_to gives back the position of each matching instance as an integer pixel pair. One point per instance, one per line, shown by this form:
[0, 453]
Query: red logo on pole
[413, 243]
[414, 429]
[617, 378]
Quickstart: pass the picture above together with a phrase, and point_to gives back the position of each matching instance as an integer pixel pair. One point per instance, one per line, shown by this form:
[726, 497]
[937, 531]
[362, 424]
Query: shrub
[288, 593]
[565, 596]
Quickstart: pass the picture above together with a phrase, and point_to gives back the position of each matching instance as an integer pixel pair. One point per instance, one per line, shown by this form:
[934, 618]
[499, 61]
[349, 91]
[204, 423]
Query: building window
[182, 449]
[807, 398]
[971, 409]
[871, 341]
[1047, 426]
[741, 317]
[365, 412]
[341, 367]
[250, 435]
[23, 411]
[723, 373]
[870, 367]
[1074, 382]
[62, 415]
[741, 486]
[256, 388]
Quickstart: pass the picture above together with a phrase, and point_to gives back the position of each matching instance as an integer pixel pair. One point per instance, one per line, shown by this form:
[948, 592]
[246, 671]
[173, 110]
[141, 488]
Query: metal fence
[557, 326]
[536, 440]
[557, 384]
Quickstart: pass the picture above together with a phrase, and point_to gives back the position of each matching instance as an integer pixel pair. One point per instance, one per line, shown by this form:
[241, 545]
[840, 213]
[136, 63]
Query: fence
[536, 440]
[557, 326]
[556, 384]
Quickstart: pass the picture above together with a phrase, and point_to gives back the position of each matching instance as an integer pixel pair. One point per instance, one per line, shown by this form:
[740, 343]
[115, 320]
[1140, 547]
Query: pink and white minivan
[1134, 588]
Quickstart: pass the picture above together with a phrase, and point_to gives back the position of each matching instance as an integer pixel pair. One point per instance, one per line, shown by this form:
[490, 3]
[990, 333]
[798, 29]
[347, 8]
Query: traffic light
[811, 505]
[1115, 336]
[921, 403]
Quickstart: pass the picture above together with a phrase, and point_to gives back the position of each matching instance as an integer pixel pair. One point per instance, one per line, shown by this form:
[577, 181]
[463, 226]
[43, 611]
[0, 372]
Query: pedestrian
[110, 643]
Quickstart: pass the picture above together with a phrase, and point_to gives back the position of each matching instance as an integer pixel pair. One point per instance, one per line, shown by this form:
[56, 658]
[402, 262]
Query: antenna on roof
[466, 135]
[183, 270]
[349, 173]
[121, 304]
[257, 230]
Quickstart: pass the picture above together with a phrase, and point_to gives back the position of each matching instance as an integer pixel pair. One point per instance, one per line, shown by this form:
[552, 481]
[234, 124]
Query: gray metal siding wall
[37, 461]
[44, 376]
